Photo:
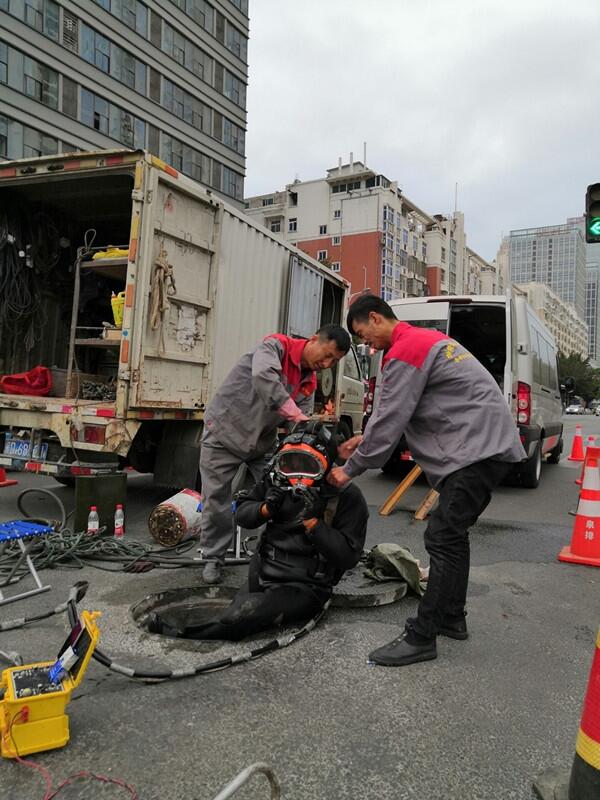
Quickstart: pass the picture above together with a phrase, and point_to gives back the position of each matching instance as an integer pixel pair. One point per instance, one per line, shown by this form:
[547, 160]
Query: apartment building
[361, 224]
[562, 319]
[166, 75]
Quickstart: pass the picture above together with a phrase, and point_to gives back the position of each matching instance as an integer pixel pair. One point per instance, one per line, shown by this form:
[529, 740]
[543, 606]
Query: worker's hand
[273, 499]
[290, 411]
[346, 449]
[337, 477]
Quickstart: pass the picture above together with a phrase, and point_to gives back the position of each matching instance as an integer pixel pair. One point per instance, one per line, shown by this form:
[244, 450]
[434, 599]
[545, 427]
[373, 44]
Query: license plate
[21, 448]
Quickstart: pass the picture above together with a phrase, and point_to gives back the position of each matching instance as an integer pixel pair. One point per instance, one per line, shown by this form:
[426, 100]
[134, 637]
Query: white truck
[200, 283]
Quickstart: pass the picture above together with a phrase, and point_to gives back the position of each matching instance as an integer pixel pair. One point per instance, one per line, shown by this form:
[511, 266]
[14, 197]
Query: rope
[159, 302]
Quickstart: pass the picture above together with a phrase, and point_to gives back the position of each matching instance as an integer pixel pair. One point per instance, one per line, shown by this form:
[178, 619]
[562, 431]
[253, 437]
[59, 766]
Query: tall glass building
[168, 75]
[553, 255]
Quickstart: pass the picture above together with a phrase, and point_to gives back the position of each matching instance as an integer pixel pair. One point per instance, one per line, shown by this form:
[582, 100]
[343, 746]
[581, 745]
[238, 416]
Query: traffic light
[592, 213]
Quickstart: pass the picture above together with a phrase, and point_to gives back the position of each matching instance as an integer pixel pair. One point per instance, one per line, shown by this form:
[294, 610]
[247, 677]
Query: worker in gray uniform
[459, 430]
[270, 386]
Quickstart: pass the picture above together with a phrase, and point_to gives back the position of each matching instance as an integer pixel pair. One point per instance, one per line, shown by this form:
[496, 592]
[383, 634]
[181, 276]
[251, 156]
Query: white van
[515, 346]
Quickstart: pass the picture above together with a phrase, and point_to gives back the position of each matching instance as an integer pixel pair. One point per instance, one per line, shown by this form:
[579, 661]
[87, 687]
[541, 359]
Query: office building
[555, 256]
[166, 75]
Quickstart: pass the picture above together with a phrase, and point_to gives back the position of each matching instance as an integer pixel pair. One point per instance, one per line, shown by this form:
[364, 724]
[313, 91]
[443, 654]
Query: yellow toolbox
[35, 696]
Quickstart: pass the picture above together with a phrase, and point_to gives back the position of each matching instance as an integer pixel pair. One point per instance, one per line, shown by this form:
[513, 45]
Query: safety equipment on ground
[4, 481]
[585, 774]
[577, 453]
[585, 541]
[35, 696]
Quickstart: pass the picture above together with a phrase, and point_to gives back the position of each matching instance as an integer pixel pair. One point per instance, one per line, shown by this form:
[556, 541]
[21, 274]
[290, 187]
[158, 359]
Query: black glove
[274, 498]
[316, 509]
[292, 507]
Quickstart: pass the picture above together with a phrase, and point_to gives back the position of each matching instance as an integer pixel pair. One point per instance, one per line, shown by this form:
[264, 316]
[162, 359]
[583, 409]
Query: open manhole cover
[356, 590]
[191, 605]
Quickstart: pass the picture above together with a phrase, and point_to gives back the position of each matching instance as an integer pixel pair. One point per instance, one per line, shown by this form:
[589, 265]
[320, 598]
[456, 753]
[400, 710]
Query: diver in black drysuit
[303, 552]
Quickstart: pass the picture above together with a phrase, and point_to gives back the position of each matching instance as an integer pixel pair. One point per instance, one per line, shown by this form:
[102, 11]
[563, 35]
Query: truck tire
[531, 470]
[555, 453]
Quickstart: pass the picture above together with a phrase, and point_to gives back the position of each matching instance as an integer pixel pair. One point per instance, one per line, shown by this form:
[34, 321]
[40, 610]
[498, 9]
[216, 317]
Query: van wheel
[532, 469]
[554, 454]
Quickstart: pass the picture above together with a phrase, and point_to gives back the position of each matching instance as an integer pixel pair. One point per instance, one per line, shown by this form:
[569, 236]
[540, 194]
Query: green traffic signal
[594, 226]
[592, 213]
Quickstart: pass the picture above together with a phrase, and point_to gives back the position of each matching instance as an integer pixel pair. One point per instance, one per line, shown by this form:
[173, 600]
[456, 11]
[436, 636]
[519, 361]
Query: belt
[316, 564]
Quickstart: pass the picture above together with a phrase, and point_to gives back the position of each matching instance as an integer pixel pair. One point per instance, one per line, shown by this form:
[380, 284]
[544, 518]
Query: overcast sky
[501, 96]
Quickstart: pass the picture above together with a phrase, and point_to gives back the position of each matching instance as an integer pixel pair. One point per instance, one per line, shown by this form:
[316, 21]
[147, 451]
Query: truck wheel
[554, 454]
[532, 469]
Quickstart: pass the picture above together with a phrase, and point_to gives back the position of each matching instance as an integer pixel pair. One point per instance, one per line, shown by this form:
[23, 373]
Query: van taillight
[369, 395]
[523, 403]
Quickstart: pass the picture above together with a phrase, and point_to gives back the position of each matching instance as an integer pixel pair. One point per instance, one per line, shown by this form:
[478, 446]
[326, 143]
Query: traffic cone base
[4, 481]
[567, 556]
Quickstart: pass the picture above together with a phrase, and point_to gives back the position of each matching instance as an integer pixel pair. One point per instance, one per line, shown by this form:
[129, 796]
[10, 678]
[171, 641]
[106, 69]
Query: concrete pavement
[480, 722]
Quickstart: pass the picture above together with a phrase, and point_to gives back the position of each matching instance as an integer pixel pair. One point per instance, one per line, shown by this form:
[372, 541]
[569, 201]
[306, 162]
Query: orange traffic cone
[585, 773]
[590, 443]
[577, 447]
[4, 481]
[585, 541]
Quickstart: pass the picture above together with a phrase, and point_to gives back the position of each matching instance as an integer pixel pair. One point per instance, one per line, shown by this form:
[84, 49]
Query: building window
[232, 183]
[335, 266]
[38, 144]
[40, 82]
[3, 137]
[236, 42]
[234, 89]
[321, 255]
[233, 136]
[292, 224]
[267, 201]
[39, 14]
[337, 213]
[337, 239]
[322, 230]
[275, 226]
[443, 253]
[3, 62]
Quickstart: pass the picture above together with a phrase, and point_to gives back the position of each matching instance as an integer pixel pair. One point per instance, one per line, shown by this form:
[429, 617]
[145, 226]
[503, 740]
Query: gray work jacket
[445, 402]
[246, 410]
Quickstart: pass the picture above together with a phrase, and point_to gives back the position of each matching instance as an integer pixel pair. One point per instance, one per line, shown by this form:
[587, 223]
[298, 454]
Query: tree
[587, 379]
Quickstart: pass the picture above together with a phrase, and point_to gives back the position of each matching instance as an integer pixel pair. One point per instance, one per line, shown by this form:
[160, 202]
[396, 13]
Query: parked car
[575, 408]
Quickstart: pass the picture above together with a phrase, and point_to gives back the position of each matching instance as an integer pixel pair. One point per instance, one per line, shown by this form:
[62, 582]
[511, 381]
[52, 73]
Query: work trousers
[257, 608]
[463, 497]
[221, 476]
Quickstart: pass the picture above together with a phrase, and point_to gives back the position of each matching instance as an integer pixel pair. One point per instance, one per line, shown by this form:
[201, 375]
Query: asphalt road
[481, 721]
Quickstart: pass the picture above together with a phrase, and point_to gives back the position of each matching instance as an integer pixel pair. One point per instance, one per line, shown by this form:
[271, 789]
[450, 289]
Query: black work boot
[452, 627]
[401, 651]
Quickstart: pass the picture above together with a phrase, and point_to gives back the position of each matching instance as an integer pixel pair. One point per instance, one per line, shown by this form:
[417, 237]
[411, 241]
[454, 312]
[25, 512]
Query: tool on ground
[25, 533]
[394, 498]
[35, 696]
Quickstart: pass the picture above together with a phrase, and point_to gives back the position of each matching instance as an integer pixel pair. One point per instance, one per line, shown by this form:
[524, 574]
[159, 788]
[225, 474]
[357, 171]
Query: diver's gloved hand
[316, 509]
[274, 498]
[291, 508]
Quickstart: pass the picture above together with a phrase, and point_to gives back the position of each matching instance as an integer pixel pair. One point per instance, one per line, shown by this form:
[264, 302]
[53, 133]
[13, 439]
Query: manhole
[192, 605]
[355, 590]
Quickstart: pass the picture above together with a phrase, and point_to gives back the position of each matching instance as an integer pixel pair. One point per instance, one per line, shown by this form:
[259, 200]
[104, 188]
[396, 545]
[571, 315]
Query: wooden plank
[395, 496]
[427, 504]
